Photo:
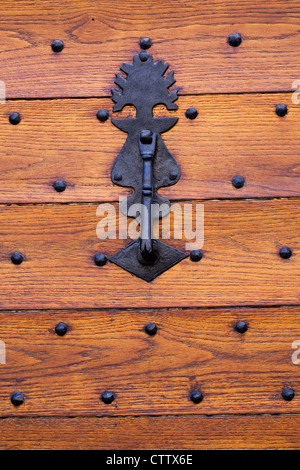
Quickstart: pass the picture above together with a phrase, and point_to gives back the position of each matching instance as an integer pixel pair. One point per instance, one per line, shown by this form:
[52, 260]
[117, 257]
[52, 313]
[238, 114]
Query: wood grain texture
[109, 350]
[233, 135]
[241, 265]
[192, 37]
[154, 433]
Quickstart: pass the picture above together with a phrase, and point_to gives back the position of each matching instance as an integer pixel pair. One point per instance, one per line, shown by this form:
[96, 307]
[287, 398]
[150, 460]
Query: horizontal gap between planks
[145, 310]
[154, 415]
[173, 201]
[92, 97]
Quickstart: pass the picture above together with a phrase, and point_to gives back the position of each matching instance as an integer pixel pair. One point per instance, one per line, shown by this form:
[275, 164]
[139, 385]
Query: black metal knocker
[145, 163]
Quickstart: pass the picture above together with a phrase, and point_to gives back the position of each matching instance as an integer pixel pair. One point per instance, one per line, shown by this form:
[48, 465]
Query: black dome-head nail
[145, 43]
[191, 113]
[17, 258]
[102, 115]
[196, 396]
[196, 255]
[173, 175]
[241, 327]
[57, 45]
[146, 136]
[285, 252]
[59, 186]
[61, 329]
[238, 181]
[17, 398]
[107, 397]
[118, 176]
[288, 394]
[14, 118]
[281, 110]
[144, 56]
[151, 329]
[234, 39]
[100, 259]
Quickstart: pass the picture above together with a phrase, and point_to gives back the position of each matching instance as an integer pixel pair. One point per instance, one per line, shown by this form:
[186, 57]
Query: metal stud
[173, 175]
[61, 329]
[17, 398]
[191, 113]
[17, 258]
[144, 56]
[281, 110]
[102, 115]
[118, 176]
[288, 394]
[238, 182]
[145, 43]
[57, 45]
[14, 118]
[107, 397]
[285, 252]
[196, 396]
[151, 329]
[100, 259]
[196, 255]
[241, 327]
[59, 186]
[234, 39]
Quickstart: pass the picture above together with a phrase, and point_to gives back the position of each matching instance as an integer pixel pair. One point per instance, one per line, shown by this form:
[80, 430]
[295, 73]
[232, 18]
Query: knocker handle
[147, 144]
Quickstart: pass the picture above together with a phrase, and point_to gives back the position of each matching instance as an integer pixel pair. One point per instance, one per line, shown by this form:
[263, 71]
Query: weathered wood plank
[153, 433]
[241, 265]
[233, 135]
[109, 350]
[192, 37]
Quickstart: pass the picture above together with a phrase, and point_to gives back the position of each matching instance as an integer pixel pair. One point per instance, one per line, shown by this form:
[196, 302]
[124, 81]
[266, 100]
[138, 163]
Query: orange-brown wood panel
[233, 135]
[109, 350]
[154, 433]
[190, 35]
[241, 264]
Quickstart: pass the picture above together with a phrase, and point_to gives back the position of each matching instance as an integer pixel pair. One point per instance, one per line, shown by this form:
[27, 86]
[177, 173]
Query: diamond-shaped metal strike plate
[127, 258]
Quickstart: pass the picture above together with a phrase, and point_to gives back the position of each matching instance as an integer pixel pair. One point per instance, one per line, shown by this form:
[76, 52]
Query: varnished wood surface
[109, 350]
[191, 36]
[153, 433]
[240, 266]
[233, 135]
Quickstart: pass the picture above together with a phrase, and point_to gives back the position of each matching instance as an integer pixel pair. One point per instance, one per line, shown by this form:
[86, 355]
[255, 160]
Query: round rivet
[144, 56]
[191, 113]
[146, 137]
[59, 186]
[14, 118]
[281, 110]
[234, 39]
[17, 398]
[17, 258]
[173, 175]
[241, 327]
[145, 43]
[100, 259]
[102, 115]
[288, 394]
[57, 45]
[285, 252]
[118, 177]
[196, 255]
[61, 329]
[196, 396]
[238, 182]
[151, 329]
[107, 397]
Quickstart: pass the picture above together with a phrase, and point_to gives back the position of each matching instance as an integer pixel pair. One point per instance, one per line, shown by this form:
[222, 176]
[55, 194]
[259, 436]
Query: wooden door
[243, 375]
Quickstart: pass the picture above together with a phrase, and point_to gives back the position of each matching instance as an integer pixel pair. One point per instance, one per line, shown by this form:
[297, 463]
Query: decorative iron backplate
[144, 163]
